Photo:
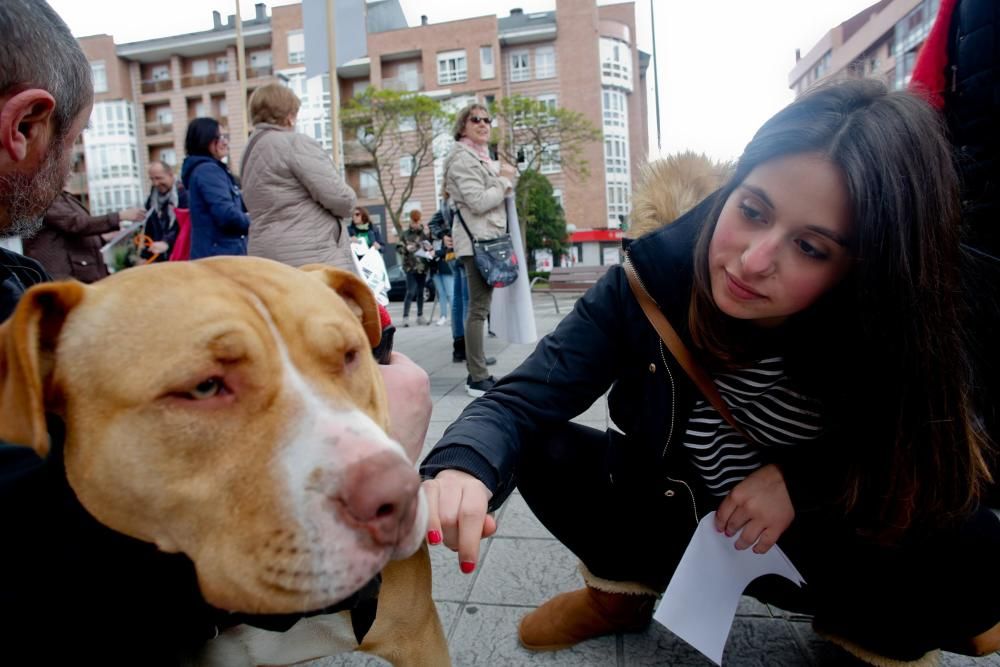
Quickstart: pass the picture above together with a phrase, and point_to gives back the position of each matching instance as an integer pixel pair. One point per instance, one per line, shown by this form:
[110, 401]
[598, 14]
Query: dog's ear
[355, 292]
[28, 342]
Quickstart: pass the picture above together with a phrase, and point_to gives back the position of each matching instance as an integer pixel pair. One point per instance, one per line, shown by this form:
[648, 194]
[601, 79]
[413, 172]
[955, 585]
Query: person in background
[477, 185]
[818, 290]
[69, 243]
[958, 70]
[165, 196]
[361, 227]
[296, 198]
[441, 265]
[219, 222]
[415, 249]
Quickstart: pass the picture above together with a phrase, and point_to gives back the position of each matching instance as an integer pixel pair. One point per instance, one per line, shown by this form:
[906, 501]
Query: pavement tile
[519, 521]
[451, 584]
[753, 642]
[486, 635]
[520, 571]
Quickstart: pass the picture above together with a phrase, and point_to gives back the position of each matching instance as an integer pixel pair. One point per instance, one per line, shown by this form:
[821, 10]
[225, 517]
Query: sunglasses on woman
[481, 119]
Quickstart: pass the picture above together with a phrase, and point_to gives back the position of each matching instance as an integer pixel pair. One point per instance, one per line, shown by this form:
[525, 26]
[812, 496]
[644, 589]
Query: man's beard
[25, 197]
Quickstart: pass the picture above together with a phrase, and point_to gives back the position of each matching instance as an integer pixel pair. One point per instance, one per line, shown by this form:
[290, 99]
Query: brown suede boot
[980, 645]
[570, 618]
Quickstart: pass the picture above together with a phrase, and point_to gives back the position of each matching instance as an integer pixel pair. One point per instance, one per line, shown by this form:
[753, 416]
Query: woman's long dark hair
[884, 349]
[201, 133]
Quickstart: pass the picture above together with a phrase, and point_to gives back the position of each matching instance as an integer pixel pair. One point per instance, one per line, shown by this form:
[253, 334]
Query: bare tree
[396, 130]
[534, 132]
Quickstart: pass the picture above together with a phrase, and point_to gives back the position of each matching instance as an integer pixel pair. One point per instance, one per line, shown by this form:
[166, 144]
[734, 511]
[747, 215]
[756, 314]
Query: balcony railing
[355, 153]
[407, 83]
[157, 86]
[258, 72]
[192, 80]
[154, 129]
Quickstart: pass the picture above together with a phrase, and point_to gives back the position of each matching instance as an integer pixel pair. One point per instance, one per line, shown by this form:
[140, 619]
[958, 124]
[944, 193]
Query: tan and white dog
[230, 409]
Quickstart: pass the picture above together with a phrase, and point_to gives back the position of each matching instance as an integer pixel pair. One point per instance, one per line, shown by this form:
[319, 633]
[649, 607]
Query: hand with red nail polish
[457, 504]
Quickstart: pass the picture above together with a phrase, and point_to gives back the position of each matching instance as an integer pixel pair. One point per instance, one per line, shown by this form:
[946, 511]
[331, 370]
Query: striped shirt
[766, 408]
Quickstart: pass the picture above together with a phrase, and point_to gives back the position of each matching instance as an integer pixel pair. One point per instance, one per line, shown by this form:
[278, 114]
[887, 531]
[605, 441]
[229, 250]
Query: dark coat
[69, 243]
[219, 222]
[375, 234]
[158, 225]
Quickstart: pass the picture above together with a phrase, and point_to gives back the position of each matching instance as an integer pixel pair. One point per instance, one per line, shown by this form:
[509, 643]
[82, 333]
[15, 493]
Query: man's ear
[24, 122]
[355, 292]
[28, 341]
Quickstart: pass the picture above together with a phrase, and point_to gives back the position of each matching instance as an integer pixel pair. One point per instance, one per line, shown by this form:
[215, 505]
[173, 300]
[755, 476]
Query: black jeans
[897, 600]
[414, 290]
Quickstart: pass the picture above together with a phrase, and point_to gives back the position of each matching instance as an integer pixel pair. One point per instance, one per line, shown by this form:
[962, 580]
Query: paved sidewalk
[522, 566]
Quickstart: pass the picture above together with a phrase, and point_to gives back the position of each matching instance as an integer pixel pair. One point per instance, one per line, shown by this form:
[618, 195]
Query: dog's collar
[363, 606]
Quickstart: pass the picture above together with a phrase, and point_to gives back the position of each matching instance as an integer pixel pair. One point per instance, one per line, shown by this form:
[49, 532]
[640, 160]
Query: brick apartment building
[881, 41]
[580, 56]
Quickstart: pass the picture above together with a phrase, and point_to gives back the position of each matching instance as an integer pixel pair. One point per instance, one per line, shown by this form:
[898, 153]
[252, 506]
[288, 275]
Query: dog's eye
[350, 357]
[207, 389]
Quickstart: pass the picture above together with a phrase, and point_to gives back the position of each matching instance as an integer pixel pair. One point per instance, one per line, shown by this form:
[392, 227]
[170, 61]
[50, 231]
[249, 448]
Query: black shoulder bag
[495, 258]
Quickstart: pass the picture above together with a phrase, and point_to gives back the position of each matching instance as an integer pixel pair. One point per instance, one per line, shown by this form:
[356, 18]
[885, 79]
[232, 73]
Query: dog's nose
[380, 493]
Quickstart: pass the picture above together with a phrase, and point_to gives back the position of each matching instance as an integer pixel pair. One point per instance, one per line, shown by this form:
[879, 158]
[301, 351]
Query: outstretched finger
[431, 492]
[472, 525]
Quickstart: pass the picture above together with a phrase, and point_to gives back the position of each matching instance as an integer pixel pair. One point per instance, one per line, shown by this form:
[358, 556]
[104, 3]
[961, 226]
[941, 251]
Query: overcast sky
[723, 64]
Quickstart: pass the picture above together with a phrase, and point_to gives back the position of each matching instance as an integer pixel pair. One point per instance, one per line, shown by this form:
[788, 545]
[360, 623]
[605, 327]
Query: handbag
[495, 258]
[669, 336]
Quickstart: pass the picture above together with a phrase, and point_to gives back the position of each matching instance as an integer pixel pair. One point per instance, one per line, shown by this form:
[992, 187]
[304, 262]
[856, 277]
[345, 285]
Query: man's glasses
[481, 119]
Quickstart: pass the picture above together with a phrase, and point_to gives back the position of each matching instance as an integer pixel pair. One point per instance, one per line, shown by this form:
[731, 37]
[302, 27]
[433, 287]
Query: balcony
[355, 153]
[77, 182]
[260, 72]
[192, 80]
[157, 86]
[154, 129]
[406, 83]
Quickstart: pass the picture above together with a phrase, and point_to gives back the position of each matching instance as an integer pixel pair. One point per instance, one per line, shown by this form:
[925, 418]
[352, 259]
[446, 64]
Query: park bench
[570, 279]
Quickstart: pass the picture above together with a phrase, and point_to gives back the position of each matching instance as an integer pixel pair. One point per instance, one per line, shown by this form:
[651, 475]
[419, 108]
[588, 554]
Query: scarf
[165, 202]
[482, 153]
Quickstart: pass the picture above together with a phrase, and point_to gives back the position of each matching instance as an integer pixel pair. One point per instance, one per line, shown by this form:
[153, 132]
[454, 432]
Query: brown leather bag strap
[677, 348]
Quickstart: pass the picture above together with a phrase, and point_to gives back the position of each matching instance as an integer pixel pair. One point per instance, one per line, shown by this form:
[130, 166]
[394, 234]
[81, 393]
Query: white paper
[700, 603]
[512, 315]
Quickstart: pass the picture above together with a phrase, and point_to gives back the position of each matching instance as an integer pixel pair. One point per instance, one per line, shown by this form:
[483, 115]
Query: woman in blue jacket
[219, 222]
[819, 289]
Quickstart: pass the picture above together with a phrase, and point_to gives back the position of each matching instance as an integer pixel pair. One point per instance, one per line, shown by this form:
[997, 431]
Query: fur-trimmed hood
[672, 186]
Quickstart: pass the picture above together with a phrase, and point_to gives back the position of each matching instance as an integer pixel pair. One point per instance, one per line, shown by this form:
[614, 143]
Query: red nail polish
[467, 566]
[434, 537]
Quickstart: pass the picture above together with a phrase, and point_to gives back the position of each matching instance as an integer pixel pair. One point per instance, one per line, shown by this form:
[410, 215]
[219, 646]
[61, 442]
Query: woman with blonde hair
[295, 196]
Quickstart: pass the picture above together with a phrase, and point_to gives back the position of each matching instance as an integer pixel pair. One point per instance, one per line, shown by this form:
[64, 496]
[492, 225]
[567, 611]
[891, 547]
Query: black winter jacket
[608, 342]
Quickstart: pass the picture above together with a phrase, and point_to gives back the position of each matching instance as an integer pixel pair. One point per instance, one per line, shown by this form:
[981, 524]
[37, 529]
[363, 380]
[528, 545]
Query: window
[222, 64]
[161, 73]
[200, 110]
[223, 109]
[520, 68]
[558, 196]
[164, 116]
[359, 87]
[545, 62]
[168, 156]
[551, 103]
[452, 67]
[369, 184]
[407, 124]
[486, 69]
[551, 160]
[199, 67]
[296, 48]
[406, 165]
[100, 76]
[615, 108]
[615, 155]
[260, 59]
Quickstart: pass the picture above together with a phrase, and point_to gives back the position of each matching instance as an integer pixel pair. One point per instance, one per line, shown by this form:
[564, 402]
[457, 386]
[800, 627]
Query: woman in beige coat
[477, 185]
[294, 195]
